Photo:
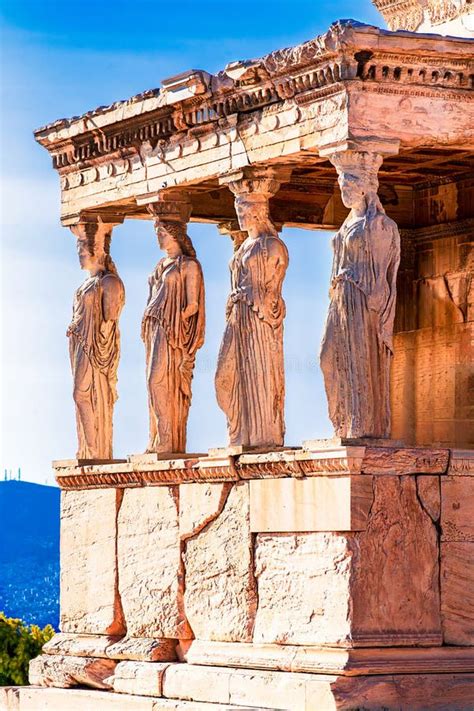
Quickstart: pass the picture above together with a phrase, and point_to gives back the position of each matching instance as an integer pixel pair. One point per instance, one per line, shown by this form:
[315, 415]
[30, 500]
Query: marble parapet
[313, 460]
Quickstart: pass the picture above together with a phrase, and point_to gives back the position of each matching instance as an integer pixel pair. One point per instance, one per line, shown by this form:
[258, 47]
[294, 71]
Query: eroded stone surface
[303, 588]
[149, 563]
[405, 460]
[199, 504]
[80, 645]
[143, 649]
[9, 698]
[457, 508]
[395, 582]
[354, 589]
[429, 492]
[89, 602]
[314, 504]
[457, 592]
[416, 692]
[142, 678]
[330, 660]
[219, 574]
[64, 672]
[37, 699]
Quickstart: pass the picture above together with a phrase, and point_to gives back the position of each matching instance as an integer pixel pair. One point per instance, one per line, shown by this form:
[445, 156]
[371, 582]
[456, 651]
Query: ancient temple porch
[403, 95]
[335, 574]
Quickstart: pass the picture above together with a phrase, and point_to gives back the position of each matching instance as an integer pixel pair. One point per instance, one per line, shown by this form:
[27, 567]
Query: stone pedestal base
[148, 686]
[295, 579]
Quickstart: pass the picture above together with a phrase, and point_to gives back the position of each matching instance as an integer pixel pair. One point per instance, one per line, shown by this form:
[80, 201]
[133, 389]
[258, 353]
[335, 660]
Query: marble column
[94, 338]
[173, 325]
[357, 350]
[250, 381]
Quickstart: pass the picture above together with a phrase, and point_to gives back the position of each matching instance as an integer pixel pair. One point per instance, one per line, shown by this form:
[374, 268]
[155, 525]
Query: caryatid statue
[94, 340]
[172, 327]
[250, 381]
[357, 349]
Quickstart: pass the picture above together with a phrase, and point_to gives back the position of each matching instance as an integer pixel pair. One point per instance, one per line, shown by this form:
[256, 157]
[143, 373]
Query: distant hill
[29, 552]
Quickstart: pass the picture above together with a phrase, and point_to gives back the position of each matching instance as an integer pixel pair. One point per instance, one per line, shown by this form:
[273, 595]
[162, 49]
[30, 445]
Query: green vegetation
[18, 644]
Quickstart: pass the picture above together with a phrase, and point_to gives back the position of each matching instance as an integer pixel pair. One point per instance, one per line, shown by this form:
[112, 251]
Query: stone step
[330, 660]
[289, 691]
[29, 698]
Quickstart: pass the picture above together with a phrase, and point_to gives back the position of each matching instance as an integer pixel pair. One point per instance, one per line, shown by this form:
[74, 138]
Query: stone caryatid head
[171, 217]
[251, 200]
[358, 178]
[93, 245]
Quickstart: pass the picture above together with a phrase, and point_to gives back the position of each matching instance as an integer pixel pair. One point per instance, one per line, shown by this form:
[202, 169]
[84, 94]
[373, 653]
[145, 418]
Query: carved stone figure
[94, 340]
[356, 349]
[250, 383]
[232, 229]
[173, 331]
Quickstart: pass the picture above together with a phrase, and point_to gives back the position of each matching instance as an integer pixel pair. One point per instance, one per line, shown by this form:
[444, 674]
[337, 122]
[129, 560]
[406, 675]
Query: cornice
[196, 102]
[410, 14]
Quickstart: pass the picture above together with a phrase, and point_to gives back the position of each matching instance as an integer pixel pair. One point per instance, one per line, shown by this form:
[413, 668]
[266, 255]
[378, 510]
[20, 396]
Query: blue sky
[61, 59]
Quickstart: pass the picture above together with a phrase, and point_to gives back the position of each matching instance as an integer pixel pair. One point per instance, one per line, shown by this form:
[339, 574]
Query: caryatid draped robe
[94, 348]
[250, 381]
[171, 343]
[356, 350]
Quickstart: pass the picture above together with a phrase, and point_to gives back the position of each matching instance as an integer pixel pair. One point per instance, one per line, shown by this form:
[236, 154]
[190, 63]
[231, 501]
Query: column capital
[111, 219]
[169, 206]
[256, 182]
[374, 144]
[361, 164]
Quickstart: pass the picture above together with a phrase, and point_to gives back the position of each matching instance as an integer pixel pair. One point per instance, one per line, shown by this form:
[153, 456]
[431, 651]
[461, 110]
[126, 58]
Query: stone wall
[433, 368]
[276, 560]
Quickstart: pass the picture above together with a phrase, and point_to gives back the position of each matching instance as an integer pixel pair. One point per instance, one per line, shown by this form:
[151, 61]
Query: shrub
[18, 644]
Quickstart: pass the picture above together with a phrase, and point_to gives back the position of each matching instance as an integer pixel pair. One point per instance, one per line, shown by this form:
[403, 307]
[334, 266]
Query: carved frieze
[304, 74]
[410, 14]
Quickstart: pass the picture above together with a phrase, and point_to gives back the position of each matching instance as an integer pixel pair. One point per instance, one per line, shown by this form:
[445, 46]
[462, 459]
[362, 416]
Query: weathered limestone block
[9, 698]
[289, 691]
[404, 460]
[395, 692]
[80, 700]
[219, 574]
[64, 672]
[80, 645]
[142, 678]
[378, 587]
[89, 601]
[431, 392]
[315, 504]
[331, 660]
[149, 563]
[429, 493]
[37, 699]
[395, 583]
[457, 508]
[457, 592]
[416, 692]
[143, 649]
[303, 588]
[254, 688]
[199, 504]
